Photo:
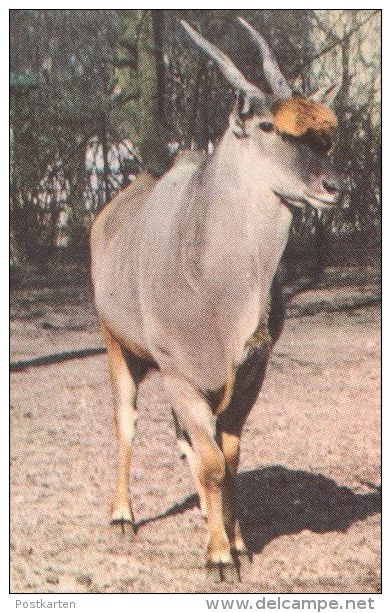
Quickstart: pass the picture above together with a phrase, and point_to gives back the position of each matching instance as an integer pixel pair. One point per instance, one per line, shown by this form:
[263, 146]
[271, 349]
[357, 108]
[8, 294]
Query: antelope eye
[266, 126]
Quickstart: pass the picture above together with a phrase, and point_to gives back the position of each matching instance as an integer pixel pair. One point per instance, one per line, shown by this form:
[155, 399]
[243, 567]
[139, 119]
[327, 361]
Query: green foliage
[83, 76]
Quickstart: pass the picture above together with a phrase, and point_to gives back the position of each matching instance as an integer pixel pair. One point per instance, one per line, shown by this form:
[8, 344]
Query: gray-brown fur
[183, 271]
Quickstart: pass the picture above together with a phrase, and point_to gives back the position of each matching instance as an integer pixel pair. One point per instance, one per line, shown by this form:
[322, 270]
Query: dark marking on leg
[139, 367]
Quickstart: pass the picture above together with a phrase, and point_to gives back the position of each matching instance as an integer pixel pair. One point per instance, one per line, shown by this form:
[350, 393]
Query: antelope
[183, 270]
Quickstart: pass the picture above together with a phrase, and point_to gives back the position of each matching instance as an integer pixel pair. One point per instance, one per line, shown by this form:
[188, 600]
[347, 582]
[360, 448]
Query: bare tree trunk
[345, 85]
[158, 26]
[103, 140]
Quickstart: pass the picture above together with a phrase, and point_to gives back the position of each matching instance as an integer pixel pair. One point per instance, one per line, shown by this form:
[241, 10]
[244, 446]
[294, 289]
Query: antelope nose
[331, 186]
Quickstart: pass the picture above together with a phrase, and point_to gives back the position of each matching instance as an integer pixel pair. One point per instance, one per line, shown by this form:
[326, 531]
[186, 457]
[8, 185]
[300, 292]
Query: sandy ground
[308, 498]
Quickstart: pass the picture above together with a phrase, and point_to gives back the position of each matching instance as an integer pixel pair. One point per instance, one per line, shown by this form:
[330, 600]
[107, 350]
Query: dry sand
[310, 466]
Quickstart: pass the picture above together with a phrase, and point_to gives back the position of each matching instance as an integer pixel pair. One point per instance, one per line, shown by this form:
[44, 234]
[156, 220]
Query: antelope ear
[244, 107]
[326, 95]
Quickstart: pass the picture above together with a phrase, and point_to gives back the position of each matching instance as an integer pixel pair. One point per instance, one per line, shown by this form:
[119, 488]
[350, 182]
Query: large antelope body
[183, 269]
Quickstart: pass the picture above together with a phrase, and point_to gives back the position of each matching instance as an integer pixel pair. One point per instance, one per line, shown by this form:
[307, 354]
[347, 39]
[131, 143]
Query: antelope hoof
[124, 520]
[221, 567]
[126, 527]
[219, 572]
[242, 559]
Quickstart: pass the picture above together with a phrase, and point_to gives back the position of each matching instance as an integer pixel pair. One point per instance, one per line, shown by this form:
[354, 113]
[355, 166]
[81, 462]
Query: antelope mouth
[326, 202]
[290, 201]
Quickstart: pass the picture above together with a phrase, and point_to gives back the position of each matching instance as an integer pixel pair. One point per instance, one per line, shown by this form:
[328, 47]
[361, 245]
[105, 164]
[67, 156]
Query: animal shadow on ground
[274, 501]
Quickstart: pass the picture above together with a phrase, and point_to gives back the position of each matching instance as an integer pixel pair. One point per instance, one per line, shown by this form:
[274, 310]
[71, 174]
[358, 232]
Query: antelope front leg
[196, 417]
[187, 450]
[125, 390]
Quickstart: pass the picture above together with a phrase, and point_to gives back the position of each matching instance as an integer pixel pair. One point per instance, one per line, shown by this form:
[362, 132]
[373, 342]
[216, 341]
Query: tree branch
[336, 42]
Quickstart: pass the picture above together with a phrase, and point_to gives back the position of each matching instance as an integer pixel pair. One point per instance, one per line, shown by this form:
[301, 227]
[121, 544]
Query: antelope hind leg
[248, 382]
[230, 445]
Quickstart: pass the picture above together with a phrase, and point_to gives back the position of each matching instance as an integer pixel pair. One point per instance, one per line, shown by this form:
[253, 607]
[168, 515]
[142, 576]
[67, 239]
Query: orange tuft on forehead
[296, 116]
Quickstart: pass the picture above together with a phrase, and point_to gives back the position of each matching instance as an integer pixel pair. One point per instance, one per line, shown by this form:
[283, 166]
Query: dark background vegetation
[85, 81]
